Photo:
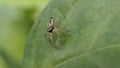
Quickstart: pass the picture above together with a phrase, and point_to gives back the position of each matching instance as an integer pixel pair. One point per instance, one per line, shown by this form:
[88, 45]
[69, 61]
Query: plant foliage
[89, 35]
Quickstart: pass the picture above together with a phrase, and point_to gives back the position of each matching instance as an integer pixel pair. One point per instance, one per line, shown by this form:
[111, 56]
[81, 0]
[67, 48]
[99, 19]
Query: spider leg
[49, 38]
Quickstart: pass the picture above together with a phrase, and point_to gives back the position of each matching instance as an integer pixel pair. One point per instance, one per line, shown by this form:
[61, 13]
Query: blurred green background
[16, 20]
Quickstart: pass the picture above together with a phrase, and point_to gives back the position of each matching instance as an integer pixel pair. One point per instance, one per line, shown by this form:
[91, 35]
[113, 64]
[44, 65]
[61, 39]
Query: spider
[51, 31]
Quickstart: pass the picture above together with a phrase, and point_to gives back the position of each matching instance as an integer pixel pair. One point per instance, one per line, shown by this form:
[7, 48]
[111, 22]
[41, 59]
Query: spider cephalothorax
[51, 25]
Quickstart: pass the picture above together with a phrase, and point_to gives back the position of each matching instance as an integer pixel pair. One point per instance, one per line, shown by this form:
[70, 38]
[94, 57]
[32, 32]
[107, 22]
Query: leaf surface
[89, 35]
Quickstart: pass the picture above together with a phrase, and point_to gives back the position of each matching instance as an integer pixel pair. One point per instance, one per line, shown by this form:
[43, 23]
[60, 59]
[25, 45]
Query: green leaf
[89, 36]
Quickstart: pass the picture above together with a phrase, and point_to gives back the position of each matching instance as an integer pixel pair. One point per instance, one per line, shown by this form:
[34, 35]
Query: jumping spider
[51, 31]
